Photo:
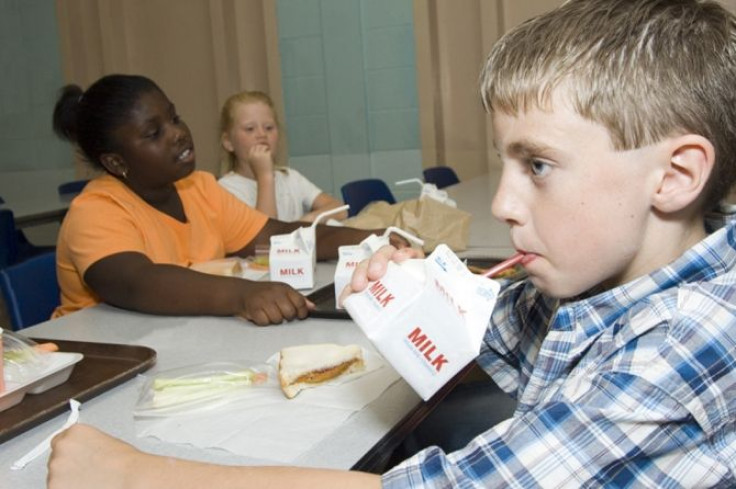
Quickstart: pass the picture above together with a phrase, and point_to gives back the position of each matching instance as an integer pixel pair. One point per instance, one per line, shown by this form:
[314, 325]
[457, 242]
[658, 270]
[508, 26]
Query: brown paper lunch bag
[425, 218]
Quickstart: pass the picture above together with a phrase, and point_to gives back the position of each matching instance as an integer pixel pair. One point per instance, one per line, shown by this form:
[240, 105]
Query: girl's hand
[267, 303]
[260, 158]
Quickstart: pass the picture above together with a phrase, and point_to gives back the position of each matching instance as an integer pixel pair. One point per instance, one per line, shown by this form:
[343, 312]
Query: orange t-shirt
[109, 218]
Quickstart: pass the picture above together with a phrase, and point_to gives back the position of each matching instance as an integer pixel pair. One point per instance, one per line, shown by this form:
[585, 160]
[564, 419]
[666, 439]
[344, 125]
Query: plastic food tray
[324, 298]
[103, 366]
[58, 370]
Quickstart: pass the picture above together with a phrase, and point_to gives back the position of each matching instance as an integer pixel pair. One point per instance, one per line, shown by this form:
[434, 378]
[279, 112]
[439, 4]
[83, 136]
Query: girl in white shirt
[249, 134]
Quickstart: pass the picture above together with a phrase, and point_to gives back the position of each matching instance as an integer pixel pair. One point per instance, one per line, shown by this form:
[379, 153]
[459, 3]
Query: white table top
[204, 339]
[33, 195]
[33, 211]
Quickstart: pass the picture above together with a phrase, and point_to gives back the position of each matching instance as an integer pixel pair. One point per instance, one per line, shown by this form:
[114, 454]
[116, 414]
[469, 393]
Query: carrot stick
[46, 347]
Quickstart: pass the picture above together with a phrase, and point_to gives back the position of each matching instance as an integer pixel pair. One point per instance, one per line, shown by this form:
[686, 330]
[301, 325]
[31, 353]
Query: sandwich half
[305, 366]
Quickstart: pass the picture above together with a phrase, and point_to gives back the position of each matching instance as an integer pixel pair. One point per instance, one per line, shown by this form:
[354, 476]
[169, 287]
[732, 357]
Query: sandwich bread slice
[305, 366]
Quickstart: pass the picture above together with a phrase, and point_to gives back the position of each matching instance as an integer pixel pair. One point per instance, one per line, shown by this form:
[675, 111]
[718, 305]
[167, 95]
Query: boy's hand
[272, 303]
[375, 267]
[84, 458]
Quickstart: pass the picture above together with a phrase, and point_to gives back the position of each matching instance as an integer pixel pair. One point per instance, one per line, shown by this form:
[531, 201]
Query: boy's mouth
[527, 258]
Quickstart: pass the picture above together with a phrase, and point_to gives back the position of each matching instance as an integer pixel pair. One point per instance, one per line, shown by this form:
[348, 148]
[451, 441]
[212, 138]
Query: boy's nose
[506, 205]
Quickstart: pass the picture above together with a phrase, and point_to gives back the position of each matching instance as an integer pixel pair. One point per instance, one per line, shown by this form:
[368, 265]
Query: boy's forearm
[170, 473]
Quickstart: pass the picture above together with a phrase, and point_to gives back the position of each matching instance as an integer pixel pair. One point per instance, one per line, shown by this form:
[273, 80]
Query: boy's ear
[114, 164]
[226, 143]
[691, 161]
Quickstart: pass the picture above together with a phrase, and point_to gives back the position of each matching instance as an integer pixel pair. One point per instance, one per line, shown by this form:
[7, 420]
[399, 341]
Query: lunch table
[33, 195]
[35, 211]
[363, 442]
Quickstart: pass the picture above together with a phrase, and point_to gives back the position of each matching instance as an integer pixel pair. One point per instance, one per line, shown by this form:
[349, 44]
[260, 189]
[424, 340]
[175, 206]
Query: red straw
[507, 263]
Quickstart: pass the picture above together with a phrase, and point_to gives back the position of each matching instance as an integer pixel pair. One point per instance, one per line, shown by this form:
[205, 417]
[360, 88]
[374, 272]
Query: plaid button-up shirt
[631, 387]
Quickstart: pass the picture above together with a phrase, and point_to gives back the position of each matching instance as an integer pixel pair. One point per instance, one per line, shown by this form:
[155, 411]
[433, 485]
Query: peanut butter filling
[322, 375]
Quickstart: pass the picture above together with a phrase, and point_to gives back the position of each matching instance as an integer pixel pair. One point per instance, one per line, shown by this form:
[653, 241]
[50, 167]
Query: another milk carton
[430, 191]
[350, 255]
[292, 258]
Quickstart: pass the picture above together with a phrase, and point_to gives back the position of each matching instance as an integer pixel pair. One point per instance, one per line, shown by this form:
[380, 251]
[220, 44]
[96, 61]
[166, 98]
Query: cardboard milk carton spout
[292, 257]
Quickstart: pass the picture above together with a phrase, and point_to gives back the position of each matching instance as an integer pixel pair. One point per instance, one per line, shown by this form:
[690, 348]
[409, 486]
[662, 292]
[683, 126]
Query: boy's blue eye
[538, 168]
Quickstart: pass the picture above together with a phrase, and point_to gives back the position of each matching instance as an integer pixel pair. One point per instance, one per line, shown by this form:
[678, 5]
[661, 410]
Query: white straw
[404, 234]
[41, 448]
[409, 180]
[329, 213]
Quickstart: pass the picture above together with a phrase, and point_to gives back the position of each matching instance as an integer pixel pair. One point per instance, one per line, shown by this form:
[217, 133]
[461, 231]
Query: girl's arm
[130, 280]
[261, 162]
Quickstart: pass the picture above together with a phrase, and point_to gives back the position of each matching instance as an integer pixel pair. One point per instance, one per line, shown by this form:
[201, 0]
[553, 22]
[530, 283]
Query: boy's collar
[712, 256]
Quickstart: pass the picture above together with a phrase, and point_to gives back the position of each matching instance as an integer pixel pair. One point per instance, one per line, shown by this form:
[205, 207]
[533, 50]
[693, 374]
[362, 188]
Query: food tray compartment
[104, 366]
[57, 371]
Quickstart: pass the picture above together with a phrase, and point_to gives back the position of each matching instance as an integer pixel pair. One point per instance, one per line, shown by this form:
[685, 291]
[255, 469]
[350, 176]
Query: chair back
[8, 238]
[441, 176]
[73, 187]
[30, 290]
[360, 193]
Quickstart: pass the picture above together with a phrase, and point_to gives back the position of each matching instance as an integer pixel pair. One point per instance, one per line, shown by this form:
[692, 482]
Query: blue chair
[73, 187]
[360, 193]
[14, 246]
[30, 290]
[441, 176]
[8, 238]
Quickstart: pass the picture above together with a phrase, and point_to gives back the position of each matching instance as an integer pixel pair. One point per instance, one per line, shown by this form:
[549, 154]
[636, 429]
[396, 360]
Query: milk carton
[430, 191]
[426, 317]
[350, 255]
[292, 258]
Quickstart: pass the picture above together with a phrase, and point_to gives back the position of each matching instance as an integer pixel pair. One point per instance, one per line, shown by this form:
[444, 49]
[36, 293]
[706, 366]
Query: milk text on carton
[427, 347]
[291, 271]
[444, 293]
[381, 293]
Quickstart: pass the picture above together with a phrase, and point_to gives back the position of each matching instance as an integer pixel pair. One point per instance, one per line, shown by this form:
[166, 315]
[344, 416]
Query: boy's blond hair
[644, 69]
[229, 161]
